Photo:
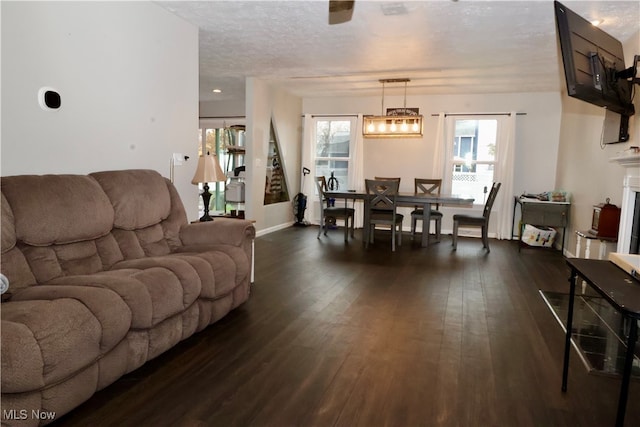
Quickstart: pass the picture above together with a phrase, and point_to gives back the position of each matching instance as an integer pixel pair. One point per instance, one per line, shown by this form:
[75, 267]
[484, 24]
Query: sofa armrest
[221, 231]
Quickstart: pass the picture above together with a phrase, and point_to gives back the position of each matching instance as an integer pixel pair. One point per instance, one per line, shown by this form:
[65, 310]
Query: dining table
[424, 200]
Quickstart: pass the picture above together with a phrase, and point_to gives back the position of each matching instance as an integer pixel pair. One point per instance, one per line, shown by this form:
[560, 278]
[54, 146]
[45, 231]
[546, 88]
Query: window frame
[352, 135]
[453, 162]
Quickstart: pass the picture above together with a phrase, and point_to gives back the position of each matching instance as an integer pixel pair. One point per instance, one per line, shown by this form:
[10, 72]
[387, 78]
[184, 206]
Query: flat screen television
[594, 67]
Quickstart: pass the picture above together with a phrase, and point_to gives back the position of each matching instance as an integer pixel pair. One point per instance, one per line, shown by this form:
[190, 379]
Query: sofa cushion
[16, 268]
[57, 209]
[188, 279]
[229, 266]
[8, 230]
[140, 198]
[44, 342]
[152, 292]
[105, 305]
[149, 241]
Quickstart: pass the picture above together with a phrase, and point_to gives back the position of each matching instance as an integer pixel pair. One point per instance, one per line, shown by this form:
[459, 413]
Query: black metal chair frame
[477, 221]
[327, 211]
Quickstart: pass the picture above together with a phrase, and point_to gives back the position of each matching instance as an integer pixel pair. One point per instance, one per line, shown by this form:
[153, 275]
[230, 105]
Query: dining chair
[327, 212]
[427, 186]
[380, 178]
[382, 209]
[477, 221]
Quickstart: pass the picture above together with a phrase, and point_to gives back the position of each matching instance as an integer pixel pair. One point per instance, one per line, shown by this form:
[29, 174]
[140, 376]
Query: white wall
[536, 136]
[127, 73]
[228, 108]
[265, 103]
[583, 165]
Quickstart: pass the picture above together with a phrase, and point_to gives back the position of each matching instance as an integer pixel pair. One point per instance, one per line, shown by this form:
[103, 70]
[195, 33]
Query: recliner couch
[105, 274]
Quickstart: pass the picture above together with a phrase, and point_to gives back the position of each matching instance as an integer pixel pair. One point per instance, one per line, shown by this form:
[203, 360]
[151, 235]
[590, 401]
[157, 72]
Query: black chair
[427, 186]
[328, 214]
[477, 221]
[382, 209]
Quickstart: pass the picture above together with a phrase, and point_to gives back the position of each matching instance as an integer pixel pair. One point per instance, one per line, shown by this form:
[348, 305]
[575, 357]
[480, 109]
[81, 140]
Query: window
[472, 162]
[332, 148]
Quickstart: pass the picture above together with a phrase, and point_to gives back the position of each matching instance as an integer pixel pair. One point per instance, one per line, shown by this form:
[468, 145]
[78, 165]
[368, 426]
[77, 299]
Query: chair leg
[454, 241]
[346, 229]
[400, 234]
[321, 225]
[485, 237]
[438, 229]
[393, 238]
[413, 226]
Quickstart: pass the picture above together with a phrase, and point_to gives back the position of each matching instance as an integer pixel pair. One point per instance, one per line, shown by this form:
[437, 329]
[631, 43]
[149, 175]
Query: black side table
[622, 291]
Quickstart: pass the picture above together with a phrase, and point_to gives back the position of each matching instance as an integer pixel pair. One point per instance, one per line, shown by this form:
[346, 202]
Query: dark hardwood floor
[334, 334]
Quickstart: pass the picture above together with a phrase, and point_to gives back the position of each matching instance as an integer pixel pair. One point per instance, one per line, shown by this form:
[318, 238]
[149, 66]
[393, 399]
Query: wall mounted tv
[594, 67]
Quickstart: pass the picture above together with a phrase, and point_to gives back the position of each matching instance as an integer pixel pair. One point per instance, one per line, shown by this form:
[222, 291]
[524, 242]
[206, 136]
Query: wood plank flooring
[338, 335]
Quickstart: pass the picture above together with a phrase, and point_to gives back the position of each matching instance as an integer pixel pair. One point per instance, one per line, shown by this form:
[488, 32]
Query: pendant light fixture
[395, 122]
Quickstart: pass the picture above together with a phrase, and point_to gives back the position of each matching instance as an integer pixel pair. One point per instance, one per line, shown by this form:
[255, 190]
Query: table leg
[366, 227]
[567, 342]
[426, 224]
[626, 374]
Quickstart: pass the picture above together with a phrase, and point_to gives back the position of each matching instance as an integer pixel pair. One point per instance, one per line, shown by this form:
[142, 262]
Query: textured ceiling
[444, 47]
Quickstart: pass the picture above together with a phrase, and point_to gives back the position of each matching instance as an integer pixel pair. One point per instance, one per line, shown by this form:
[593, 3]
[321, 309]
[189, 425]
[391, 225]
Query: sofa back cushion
[52, 223]
[140, 198]
[13, 264]
[57, 209]
[8, 230]
[148, 212]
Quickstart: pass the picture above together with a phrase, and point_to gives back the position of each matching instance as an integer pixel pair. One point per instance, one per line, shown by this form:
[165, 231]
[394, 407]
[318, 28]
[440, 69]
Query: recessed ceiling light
[597, 22]
[217, 91]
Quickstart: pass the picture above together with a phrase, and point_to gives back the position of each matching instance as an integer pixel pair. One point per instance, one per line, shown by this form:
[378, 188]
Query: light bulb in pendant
[393, 126]
[415, 126]
[404, 127]
[382, 127]
[370, 126]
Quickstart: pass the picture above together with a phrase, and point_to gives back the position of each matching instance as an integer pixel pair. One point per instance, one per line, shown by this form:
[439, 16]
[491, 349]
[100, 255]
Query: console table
[622, 291]
[542, 213]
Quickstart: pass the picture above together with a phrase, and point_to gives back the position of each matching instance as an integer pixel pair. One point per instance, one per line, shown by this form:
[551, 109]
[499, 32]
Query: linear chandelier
[397, 123]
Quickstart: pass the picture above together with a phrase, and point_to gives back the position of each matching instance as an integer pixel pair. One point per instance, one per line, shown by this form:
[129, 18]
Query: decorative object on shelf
[397, 122]
[208, 170]
[605, 220]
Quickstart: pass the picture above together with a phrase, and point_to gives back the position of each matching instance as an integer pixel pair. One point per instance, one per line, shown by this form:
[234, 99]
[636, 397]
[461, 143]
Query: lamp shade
[208, 170]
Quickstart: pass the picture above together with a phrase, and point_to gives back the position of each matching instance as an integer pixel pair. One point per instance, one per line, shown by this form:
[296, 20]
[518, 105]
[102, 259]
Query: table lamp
[208, 171]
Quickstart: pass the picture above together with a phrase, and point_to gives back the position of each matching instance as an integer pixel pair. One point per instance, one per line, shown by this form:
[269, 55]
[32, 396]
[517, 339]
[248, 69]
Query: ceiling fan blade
[340, 11]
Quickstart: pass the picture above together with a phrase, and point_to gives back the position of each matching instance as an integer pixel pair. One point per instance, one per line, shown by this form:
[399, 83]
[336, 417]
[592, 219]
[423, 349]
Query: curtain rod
[224, 117]
[478, 114]
[332, 115]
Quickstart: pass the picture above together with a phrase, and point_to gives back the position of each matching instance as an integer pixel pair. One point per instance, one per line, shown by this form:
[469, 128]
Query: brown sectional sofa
[105, 273]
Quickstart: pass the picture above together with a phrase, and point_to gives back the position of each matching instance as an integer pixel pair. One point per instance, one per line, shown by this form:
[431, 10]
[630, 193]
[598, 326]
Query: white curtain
[356, 168]
[441, 153]
[307, 185]
[504, 202]
[440, 148]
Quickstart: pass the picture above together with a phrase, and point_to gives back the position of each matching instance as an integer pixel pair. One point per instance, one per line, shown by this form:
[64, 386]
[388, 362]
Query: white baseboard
[274, 228]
